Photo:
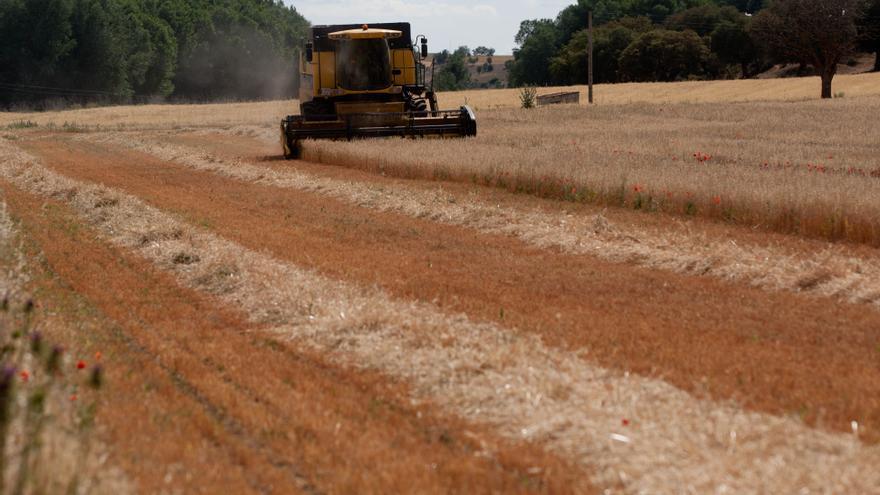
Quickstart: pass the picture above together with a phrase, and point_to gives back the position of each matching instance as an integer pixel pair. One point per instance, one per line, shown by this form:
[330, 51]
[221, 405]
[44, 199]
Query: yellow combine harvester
[359, 81]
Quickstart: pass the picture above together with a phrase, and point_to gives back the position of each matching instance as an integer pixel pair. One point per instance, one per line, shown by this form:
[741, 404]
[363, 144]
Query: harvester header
[364, 81]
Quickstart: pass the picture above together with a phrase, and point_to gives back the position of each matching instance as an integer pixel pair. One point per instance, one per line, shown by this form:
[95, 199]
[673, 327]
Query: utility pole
[590, 56]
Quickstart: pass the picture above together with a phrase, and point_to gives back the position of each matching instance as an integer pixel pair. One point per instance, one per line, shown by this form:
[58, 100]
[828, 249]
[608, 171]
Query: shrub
[527, 96]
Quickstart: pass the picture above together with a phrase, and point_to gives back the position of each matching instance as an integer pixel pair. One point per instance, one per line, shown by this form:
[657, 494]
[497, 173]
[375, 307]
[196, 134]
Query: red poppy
[624, 422]
[98, 356]
[637, 188]
[716, 200]
[72, 397]
[80, 364]
[24, 375]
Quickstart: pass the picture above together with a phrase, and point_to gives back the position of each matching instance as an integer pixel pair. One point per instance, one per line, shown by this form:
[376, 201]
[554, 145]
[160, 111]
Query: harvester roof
[365, 33]
[320, 35]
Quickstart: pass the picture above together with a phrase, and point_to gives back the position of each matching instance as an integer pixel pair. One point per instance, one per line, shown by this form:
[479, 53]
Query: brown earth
[199, 400]
[775, 352]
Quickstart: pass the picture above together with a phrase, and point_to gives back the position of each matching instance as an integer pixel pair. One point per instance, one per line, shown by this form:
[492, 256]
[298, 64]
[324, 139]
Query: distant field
[266, 113]
[789, 89]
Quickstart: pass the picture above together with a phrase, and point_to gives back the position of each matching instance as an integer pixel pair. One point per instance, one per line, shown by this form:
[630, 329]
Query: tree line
[673, 40]
[144, 50]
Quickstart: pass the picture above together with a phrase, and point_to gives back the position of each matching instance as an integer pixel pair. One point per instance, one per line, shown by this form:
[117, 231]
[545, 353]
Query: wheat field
[756, 152]
[771, 165]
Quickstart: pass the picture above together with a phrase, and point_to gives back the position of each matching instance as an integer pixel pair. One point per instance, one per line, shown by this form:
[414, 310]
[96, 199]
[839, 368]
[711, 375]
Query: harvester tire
[293, 151]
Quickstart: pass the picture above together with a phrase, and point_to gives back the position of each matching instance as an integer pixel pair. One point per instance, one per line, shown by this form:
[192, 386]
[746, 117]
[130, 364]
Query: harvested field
[448, 316]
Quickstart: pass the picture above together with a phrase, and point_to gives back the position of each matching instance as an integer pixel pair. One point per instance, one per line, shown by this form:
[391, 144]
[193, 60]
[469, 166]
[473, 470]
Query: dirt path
[199, 399]
[727, 340]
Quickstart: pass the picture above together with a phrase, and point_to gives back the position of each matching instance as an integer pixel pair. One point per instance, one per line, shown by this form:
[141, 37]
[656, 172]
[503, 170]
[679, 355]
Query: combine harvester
[360, 81]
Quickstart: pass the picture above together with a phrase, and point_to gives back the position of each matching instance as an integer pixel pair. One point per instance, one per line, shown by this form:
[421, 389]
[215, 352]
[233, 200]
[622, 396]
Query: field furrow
[775, 262]
[237, 411]
[638, 432]
[622, 314]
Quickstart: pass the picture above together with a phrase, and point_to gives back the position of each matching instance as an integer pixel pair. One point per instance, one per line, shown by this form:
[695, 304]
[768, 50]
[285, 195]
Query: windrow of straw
[846, 274]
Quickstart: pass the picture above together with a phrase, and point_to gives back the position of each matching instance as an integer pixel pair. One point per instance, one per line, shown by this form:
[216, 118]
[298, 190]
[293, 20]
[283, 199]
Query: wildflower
[624, 422]
[98, 356]
[25, 376]
[80, 364]
[637, 188]
[716, 200]
[72, 397]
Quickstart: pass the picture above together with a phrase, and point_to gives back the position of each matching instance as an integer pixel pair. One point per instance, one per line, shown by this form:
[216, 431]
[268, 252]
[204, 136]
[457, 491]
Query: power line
[60, 90]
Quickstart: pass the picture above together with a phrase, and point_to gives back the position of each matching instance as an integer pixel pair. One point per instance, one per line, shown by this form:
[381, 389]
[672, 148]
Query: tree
[610, 40]
[484, 51]
[663, 55]
[442, 57]
[869, 31]
[814, 32]
[747, 6]
[35, 36]
[703, 19]
[118, 50]
[532, 59]
[732, 44]
[454, 75]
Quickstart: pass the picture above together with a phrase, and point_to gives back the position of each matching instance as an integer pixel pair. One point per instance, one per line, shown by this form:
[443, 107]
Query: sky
[448, 24]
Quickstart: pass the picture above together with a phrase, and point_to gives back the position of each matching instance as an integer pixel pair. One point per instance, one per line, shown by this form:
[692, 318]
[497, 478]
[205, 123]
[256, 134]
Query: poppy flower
[25, 376]
[716, 200]
[80, 364]
[624, 422]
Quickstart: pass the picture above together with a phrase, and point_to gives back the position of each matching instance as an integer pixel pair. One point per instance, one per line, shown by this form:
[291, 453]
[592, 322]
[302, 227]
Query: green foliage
[704, 19]
[789, 31]
[869, 31]
[610, 40]
[83, 51]
[484, 51]
[531, 60]
[454, 74]
[663, 55]
[553, 51]
[527, 96]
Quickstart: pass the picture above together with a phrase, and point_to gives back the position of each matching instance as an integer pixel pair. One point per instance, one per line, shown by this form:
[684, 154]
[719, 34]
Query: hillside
[483, 74]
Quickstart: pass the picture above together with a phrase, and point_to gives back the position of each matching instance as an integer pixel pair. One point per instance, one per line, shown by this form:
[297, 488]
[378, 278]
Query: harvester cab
[361, 81]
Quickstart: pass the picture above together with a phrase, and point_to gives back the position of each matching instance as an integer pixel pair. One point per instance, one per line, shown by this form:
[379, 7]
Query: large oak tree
[811, 32]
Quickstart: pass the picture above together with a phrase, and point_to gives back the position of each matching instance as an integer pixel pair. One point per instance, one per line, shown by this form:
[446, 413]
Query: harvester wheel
[293, 151]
